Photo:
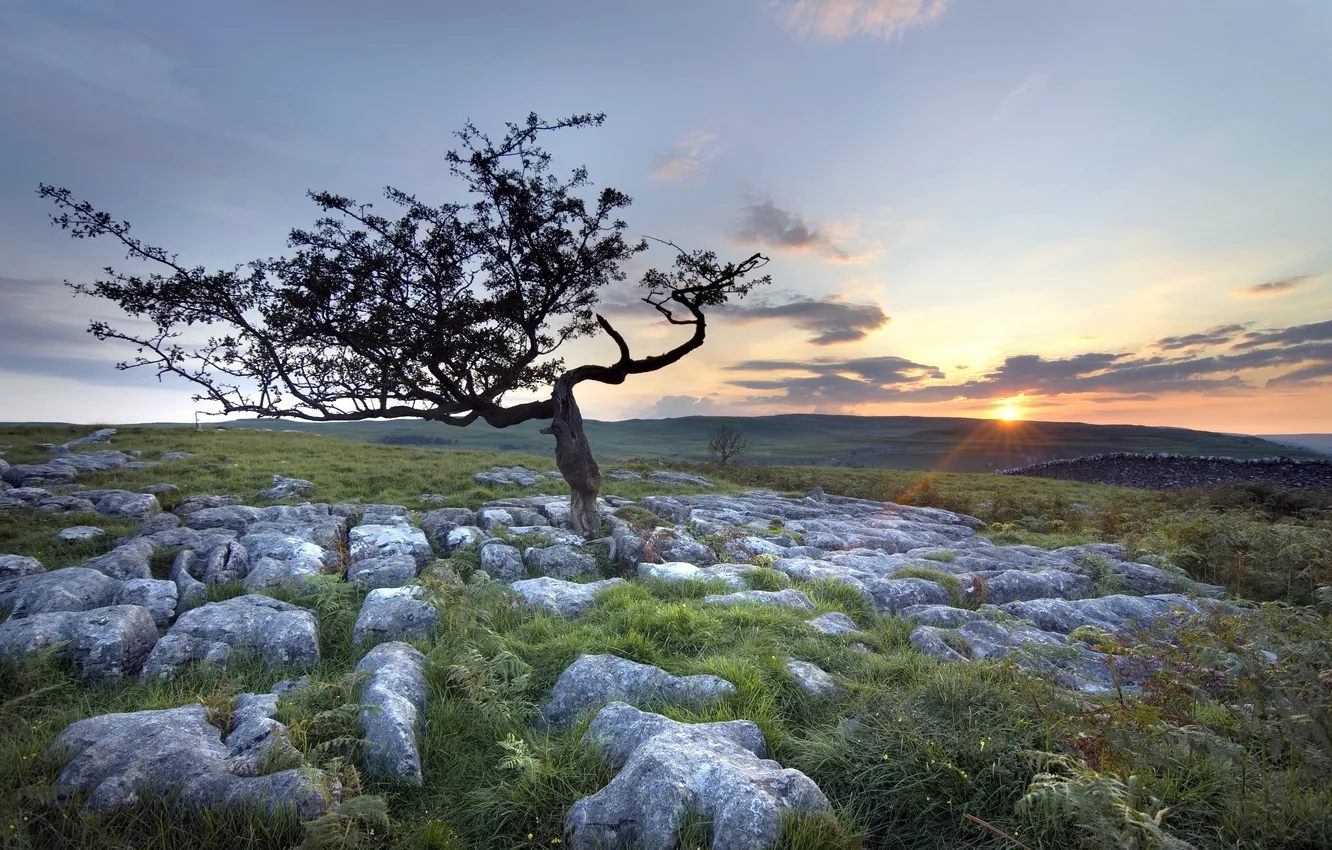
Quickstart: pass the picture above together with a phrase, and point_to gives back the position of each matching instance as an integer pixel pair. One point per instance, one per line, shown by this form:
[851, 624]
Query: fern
[1103, 806]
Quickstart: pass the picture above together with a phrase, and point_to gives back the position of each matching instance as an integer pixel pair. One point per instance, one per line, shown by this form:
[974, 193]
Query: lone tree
[726, 444]
[437, 314]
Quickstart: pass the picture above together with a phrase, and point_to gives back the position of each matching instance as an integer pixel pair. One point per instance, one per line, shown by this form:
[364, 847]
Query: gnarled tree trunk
[574, 458]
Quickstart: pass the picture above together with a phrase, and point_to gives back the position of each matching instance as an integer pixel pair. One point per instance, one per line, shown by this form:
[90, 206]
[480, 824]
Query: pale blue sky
[1005, 179]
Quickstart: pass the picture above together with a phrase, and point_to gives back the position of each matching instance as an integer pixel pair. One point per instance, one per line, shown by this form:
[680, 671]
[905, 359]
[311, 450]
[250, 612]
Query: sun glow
[1009, 412]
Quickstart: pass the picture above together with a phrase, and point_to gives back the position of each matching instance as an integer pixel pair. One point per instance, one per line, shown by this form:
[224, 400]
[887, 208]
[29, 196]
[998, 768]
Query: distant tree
[437, 315]
[727, 444]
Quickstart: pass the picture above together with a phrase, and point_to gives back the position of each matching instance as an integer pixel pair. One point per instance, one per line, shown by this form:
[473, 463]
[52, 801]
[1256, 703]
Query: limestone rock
[666, 768]
[76, 533]
[159, 597]
[1016, 585]
[888, 596]
[191, 504]
[392, 702]
[394, 613]
[834, 623]
[788, 598]
[70, 589]
[105, 643]
[377, 541]
[567, 598]
[282, 634]
[437, 524]
[559, 561]
[944, 616]
[129, 560]
[594, 681]
[285, 488]
[731, 574]
[502, 562]
[126, 504]
[176, 456]
[383, 571]
[810, 678]
[238, 518]
[17, 566]
[121, 758]
[185, 572]
[680, 479]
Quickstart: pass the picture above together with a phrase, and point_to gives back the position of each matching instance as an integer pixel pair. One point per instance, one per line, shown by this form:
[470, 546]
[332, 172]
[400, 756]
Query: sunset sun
[1009, 412]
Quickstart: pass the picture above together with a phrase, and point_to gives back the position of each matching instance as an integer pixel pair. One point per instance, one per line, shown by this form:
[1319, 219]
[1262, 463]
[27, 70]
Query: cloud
[689, 157]
[767, 225]
[1025, 91]
[1276, 287]
[830, 320]
[1211, 336]
[1317, 332]
[675, 406]
[831, 384]
[1307, 373]
[834, 20]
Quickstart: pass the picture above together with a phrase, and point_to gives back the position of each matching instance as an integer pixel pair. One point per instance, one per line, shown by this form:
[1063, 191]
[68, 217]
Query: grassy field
[875, 442]
[914, 753]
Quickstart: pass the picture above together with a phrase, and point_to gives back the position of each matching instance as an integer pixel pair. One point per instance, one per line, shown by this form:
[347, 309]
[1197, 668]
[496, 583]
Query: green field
[915, 753]
[873, 442]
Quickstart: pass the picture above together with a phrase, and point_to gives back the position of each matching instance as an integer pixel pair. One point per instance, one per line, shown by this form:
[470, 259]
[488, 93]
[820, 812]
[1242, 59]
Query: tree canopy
[436, 313]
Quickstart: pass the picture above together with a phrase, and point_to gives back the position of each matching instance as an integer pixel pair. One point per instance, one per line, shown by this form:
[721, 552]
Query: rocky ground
[1172, 472]
[968, 598]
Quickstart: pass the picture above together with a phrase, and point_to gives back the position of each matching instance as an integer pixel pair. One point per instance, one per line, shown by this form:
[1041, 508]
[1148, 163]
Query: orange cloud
[838, 19]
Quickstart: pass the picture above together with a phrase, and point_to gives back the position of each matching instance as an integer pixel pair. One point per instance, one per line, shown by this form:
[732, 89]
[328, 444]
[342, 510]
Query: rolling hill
[889, 442]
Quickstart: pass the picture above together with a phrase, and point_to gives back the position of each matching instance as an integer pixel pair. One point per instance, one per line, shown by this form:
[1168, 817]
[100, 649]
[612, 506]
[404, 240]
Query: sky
[1108, 211]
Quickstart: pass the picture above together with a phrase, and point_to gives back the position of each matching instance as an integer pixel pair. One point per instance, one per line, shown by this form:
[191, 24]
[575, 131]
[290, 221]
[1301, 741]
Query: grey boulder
[566, 598]
[383, 571]
[17, 566]
[810, 678]
[834, 623]
[437, 524]
[597, 680]
[126, 504]
[377, 541]
[392, 702]
[120, 758]
[76, 533]
[502, 562]
[788, 598]
[128, 560]
[285, 488]
[667, 768]
[280, 633]
[105, 643]
[680, 479]
[70, 589]
[394, 613]
[1017, 585]
[559, 561]
[158, 596]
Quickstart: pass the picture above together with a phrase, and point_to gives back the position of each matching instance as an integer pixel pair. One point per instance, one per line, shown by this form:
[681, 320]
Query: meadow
[1222, 749]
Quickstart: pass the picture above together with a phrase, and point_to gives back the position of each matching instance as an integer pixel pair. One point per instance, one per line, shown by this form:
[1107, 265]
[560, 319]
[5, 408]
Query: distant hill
[1312, 442]
[888, 442]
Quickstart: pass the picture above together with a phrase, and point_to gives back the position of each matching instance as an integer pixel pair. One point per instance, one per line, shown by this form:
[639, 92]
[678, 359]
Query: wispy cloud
[1023, 93]
[767, 225]
[1212, 336]
[837, 19]
[1276, 287]
[830, 320]
[689, 156]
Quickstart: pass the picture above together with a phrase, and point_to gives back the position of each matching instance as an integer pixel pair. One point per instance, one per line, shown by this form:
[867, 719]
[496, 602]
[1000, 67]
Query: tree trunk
[574, 458]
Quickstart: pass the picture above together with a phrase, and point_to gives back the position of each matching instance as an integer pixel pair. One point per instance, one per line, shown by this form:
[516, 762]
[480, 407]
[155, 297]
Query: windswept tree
[727, 443]
[437, 314]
